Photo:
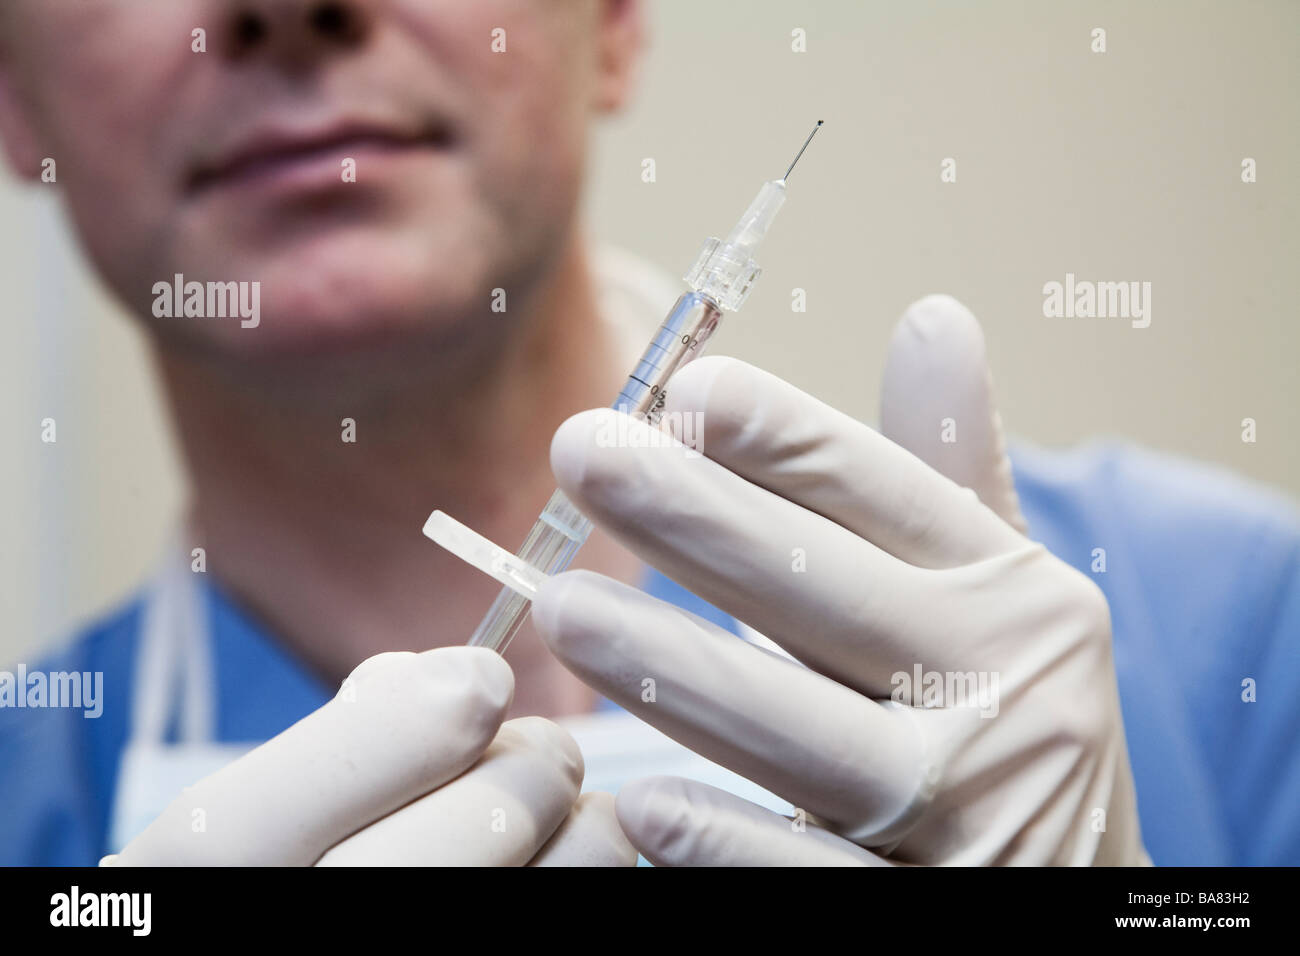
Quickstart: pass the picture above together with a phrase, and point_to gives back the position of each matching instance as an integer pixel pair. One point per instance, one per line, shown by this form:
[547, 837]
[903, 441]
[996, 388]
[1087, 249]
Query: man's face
[228, 165]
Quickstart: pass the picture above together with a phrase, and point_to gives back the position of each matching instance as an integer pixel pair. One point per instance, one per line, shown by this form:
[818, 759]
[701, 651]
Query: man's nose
[295, 32]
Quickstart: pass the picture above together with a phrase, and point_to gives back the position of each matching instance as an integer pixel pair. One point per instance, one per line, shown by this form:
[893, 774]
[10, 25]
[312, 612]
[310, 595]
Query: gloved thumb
[937, 402]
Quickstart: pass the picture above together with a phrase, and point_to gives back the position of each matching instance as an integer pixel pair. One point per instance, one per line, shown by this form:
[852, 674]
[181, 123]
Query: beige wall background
[1123, 165]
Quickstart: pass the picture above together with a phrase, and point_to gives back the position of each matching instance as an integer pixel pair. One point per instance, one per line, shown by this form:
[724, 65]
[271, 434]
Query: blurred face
[229, 165]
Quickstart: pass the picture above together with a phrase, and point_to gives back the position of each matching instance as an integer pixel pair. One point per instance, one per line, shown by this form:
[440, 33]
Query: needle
[802, 148]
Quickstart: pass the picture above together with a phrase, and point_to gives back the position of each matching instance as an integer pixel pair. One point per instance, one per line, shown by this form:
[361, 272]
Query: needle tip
[801, 149]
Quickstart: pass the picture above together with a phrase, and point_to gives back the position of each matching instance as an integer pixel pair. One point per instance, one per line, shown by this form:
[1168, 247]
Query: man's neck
[320, 537]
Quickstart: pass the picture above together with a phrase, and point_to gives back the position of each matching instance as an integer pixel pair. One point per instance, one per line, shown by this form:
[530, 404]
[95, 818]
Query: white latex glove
[409, 765]
[864, 563]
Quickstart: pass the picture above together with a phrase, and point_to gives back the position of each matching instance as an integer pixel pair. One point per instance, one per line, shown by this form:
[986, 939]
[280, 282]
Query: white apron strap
[174, 669]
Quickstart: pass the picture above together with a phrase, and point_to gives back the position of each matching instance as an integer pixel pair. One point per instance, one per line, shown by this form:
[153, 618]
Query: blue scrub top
[1202, 574]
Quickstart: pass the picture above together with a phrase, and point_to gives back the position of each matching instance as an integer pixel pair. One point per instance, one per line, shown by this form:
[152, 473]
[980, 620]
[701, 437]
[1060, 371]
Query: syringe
[720, 280]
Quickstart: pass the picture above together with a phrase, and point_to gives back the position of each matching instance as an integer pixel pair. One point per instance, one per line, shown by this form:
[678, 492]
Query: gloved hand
[409, 764]
[873, 570]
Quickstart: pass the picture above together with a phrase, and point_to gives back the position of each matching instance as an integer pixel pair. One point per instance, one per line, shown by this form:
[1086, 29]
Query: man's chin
[340, 286]
[325, 360]
[258, 326]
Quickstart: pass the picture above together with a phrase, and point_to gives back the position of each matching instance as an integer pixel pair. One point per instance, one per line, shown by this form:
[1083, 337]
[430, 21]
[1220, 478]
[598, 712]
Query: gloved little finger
[679, 822]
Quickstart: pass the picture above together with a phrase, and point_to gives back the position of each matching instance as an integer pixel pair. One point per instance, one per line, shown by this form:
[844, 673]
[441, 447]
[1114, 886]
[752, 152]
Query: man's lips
[279, 155]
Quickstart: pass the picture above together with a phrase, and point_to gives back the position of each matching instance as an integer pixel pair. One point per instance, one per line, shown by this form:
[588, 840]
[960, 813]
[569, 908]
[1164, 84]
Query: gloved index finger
[788, 442]
[832, 599]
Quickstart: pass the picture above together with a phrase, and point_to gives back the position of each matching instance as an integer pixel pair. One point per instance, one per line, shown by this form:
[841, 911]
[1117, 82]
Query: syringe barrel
[683, 336]
[561, 529]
